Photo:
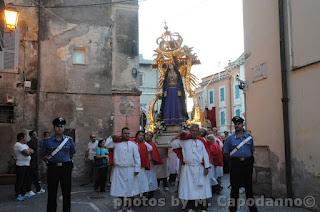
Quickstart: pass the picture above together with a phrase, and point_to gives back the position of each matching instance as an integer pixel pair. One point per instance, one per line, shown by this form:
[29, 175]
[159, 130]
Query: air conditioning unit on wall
[27, 84]
[30, 85]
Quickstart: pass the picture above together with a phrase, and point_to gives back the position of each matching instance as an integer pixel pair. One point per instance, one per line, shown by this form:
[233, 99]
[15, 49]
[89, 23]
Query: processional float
[171, 51]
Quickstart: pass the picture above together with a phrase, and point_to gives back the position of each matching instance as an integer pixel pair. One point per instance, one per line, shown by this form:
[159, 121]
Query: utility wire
[82, 5]
[49, 11]
[94, 4]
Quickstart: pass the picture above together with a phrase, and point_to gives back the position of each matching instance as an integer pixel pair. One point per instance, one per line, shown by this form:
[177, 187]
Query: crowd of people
[27, 166]
[134, 167]
[139, 156]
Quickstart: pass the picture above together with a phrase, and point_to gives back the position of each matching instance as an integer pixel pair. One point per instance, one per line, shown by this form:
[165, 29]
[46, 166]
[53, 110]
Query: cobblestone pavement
[84, 199]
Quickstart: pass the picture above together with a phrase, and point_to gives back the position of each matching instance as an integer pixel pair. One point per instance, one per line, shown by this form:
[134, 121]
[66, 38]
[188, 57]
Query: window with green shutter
[236, 92]
[211, 98]
[238, 112]
[222, 118]
[222, 94]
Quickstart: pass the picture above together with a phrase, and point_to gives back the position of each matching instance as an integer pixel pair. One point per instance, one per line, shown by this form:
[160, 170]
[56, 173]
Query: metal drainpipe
[285, 99]
[245, 108]
[230, 99]
[39, 69]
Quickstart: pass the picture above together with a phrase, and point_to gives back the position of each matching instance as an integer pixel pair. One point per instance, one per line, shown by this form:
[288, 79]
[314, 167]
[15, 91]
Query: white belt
[193, 164]
[124, 166]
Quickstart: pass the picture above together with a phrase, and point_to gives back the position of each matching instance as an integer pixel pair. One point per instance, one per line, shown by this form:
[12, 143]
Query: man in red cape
[155, 159]
[185, 135]
[194, 180]
[126, 167]
[218, 157]
[155, 155]
[217, 162]
[144, 149]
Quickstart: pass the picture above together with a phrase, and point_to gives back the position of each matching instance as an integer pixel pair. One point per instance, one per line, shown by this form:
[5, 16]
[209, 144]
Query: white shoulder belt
[240, 145]
[58, 148]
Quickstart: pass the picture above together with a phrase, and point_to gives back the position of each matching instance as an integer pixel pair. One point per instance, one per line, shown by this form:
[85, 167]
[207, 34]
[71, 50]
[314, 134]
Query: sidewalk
[84, 199]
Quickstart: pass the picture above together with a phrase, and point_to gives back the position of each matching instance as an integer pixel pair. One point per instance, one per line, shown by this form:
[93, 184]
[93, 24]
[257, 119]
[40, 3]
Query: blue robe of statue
[173, 107]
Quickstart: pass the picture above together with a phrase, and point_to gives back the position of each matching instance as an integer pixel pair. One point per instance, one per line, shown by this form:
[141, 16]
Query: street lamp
[8, 20]
[243, 85]
[11, 16]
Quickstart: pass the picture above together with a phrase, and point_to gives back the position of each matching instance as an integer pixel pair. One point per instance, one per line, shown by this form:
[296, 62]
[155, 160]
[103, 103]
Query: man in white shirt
[23, 173]
[194, 186]
[89, 156]
[126, 167]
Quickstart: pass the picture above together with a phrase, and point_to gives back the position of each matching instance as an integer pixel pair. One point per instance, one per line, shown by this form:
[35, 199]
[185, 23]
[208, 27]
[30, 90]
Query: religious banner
[211, 115]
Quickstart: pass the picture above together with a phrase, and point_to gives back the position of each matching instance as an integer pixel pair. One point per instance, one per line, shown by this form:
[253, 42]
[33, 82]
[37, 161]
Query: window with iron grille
[140, 79]
[6, 114]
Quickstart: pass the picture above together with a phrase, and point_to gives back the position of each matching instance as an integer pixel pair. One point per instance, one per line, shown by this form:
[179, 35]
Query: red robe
[207, 146]
[217, 154]
[144, 155]
[115, 139]
[220, 138]
[155, 155]
[186, 136]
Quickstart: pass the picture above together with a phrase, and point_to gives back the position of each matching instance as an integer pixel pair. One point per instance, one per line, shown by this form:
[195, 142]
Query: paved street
[84, 199]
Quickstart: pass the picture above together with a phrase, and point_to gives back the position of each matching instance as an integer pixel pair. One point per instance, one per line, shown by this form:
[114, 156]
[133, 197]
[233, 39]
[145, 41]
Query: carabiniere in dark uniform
[58, 152]
[239, 148]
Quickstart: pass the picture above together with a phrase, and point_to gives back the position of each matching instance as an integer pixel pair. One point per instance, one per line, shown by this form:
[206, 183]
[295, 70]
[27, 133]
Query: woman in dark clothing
[101, 159]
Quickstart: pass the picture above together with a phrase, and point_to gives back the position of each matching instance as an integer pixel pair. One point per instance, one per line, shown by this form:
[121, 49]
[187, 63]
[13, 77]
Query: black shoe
[215, 189]
[253, 209]
[232, 209]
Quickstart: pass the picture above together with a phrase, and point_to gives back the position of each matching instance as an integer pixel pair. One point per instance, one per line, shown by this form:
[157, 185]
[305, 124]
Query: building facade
[148, 78]
[220, 92]
[71, 61]
[282, 73]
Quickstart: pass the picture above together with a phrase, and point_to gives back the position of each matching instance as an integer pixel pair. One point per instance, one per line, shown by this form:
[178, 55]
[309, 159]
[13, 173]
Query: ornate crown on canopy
[169, 41]
[171, 51]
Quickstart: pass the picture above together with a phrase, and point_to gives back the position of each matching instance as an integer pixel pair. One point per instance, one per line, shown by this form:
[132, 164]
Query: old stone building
[148, 78]
[71, 58]
[282, 73]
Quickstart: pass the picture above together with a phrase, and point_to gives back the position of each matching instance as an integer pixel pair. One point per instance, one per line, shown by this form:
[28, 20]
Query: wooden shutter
[9, 55]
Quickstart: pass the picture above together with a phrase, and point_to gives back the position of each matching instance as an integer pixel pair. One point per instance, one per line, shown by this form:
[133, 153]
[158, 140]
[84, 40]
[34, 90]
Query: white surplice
[151, 174]
[193, 184]
[126, 161]
[152, 178]
[212, 176]
[173, 162]
[143, 175]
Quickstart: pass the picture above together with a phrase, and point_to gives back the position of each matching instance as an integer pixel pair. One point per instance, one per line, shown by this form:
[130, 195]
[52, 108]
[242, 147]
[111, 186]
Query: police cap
[237, 120]
[59, 122]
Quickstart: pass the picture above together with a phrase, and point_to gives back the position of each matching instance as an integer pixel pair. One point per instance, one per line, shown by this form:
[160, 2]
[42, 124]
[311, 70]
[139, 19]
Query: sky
[214, 28]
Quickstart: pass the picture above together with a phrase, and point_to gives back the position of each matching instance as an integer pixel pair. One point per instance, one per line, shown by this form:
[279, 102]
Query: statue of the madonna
[173, 109]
